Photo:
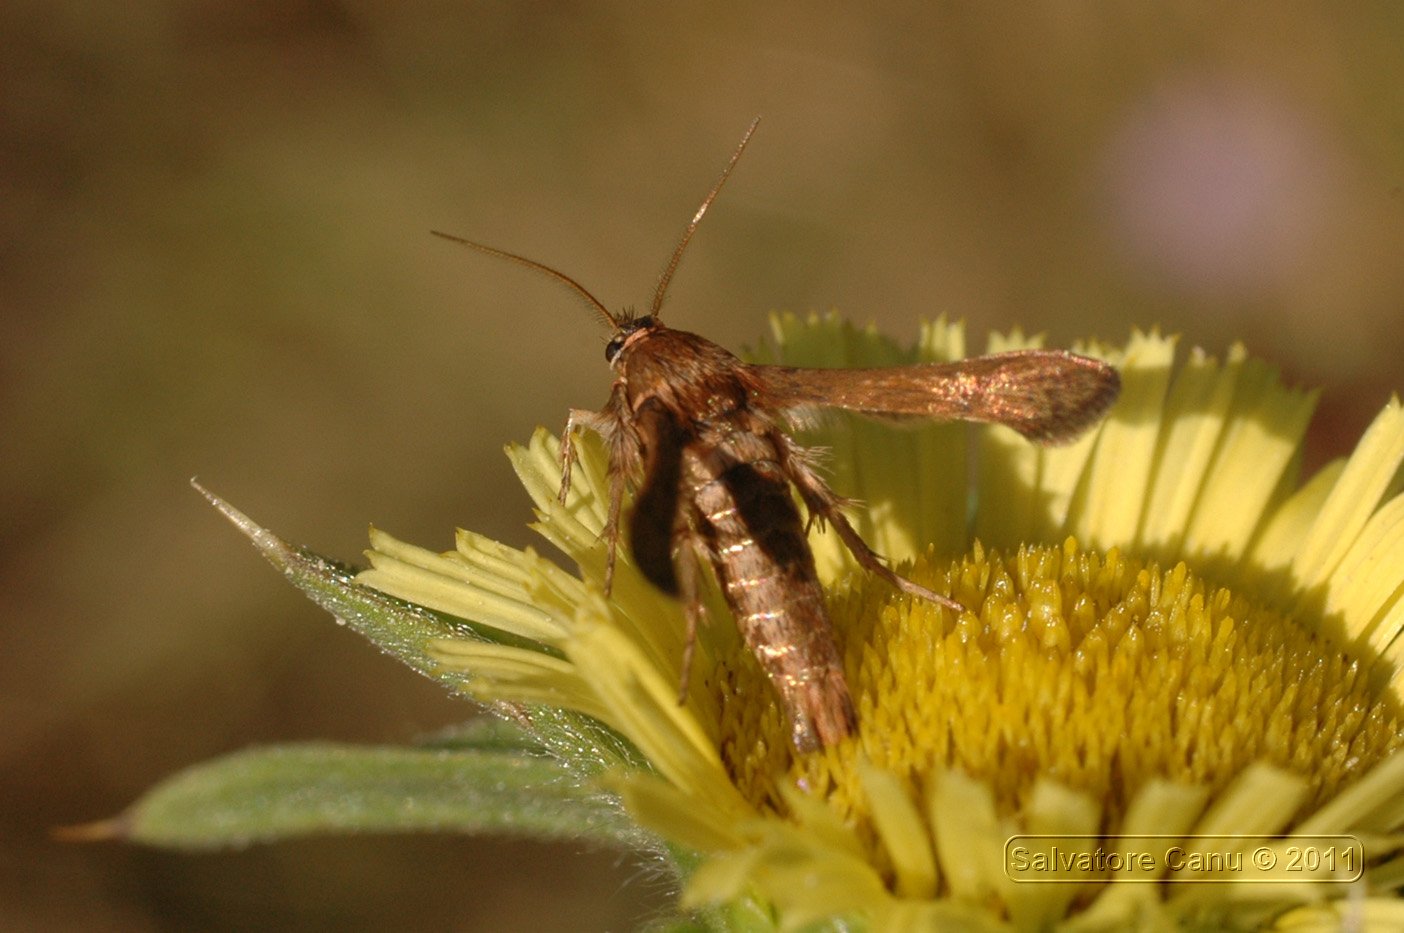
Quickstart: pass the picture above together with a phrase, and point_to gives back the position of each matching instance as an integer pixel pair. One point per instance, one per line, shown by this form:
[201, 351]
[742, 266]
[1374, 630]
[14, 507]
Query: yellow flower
[1167, 634]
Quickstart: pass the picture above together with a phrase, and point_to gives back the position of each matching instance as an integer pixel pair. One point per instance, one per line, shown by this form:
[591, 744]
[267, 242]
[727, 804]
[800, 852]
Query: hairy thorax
[697, 380]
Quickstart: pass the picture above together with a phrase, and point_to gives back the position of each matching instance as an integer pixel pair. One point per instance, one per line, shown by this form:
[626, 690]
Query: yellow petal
[1196, 411]
[1259, 443]
[1119, 473]
[902, 831]
[1369, 472]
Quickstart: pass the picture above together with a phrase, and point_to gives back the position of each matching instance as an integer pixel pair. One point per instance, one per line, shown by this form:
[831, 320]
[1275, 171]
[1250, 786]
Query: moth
[703, 439]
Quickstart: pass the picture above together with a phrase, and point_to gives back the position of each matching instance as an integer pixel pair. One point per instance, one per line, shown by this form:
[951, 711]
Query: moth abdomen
[747, 516]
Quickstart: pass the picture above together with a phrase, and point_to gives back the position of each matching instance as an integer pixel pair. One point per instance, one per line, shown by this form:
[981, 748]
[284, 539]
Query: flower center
[1095, 670]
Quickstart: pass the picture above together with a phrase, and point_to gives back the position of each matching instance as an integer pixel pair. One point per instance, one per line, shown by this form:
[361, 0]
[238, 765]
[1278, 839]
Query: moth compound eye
[612, 349]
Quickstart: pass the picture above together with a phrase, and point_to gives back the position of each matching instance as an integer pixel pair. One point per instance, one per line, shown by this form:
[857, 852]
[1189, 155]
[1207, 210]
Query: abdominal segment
[748, 518]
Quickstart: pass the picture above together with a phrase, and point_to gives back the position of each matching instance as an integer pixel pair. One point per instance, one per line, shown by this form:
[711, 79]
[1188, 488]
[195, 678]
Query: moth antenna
[605, 315]
[672, 266]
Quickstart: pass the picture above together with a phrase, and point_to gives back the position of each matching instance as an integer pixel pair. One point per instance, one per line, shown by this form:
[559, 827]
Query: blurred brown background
[214, 260]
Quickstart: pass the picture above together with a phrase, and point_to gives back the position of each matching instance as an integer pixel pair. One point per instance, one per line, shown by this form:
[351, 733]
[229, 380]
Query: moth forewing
[654, 524]
[1049, 396]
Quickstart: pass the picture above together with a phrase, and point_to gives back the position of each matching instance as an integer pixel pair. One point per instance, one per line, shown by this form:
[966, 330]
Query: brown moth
[702, 437]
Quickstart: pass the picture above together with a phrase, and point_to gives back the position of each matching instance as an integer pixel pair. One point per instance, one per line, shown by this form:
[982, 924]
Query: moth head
[627, 331]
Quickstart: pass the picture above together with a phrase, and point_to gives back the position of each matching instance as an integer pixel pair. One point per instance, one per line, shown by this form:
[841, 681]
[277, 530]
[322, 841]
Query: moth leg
[611, 529]
[599, 422]
[869, 560]
[688, 568]
[826, 506]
